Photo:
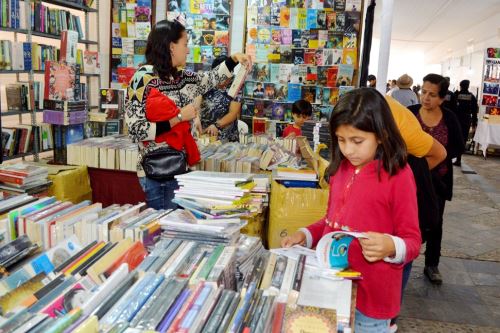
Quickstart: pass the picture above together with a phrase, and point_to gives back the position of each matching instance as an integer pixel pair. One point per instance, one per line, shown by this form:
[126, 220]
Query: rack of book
[28, 57]
[109, 118]
[130, 26]
[85, 268]
[301, 50]
[208, 28]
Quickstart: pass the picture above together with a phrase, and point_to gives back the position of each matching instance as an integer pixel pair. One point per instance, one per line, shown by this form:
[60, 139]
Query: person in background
[219, 111]
[404, 94]
[372, 81]
[466, 112]
[449, 102]
[392, 87]
[160, 102]
[301, 111]
[416, 90]
[443, 125]
[369, 161]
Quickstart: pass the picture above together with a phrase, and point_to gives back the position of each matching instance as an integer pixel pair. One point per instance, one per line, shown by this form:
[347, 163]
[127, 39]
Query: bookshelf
[93, 81]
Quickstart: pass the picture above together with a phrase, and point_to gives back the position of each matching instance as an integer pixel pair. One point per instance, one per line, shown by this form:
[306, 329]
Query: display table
[487, 134]
[115, 187]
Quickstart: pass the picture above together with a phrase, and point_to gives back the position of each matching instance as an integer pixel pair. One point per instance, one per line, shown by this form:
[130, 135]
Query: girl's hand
[297, 238]
[377, 246]
[212, 130]
[242, 59]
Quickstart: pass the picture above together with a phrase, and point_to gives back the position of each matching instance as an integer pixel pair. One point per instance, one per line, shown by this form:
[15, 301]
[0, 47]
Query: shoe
[393, 328]
[432, 273]
[457, 163]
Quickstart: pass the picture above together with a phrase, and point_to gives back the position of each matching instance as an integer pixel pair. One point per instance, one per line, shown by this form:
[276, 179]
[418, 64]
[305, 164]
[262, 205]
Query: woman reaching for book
[372, 190]
[160, 102]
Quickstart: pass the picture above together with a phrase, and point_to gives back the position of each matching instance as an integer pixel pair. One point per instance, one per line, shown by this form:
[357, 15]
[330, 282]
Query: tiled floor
[469, 298]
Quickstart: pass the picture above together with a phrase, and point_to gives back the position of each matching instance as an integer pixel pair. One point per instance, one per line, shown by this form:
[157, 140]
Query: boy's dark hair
[302, 107]
[464, 84]
[158, 47]
[219, 60]
[367, 110]
[441, 81]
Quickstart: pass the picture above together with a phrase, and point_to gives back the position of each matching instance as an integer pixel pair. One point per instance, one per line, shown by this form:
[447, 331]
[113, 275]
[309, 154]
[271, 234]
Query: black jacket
[466, 106]
[454, 148]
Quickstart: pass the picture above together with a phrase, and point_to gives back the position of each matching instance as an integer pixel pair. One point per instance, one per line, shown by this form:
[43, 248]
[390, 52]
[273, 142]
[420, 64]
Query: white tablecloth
[487, 134]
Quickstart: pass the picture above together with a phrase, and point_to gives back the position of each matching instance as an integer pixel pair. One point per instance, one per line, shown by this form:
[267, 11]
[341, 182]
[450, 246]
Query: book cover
[340, 22]
[275, 14]
[353, 5]
[252, 35]
[344, 89]
[298, 56]
[261, 72]
[142, 30]
[322, 75]
[220, 51]
[350, 57]
[312, 18]
[207, 38]
[264, 16]
[344, 75]
[302, 18]
[294, 92]
[69, 42]
[91, 63]
[275, 36]
[284, 17]
[269, 91]
[248, 107]
[312, 75]
[332, 249]
[350, 40]
[296, 38]
[61, 80]
[331, 76]
[339, 5]
[260, 108]
[321, 19]
[274, 72]
[309, 93]
[296, 3]
[264, 35]
[142, 14]
[274, 55]
[285, 73]
[318, 55]
[335, 40]
[281, 92]
[207, 54]
[298, 74]
[248, 90]
[221, 38]
[286, 56]
[352, 22]
[309, 319]
[310, 57]
[286, 36]
[331, 21]
[222, 22]
[326, 96]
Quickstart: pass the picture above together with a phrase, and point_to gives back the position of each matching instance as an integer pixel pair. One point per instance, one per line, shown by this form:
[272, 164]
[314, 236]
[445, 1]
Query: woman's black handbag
[164, 163]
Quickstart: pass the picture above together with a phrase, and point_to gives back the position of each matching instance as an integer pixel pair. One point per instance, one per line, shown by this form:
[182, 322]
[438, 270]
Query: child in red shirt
[372, 190]
[301, 111]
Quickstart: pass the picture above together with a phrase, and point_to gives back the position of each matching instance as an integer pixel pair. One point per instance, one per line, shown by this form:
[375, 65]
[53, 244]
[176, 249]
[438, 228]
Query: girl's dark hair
[158, 47]
[367, 110]
[441, 82]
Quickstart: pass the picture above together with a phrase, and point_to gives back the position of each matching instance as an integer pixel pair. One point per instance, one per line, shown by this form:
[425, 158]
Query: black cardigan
[455, 147]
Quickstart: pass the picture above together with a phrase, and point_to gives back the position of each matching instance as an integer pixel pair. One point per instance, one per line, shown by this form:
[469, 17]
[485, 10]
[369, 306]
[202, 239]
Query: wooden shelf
[46, 35]
[16, 112]
[7, 158]
[72, 5]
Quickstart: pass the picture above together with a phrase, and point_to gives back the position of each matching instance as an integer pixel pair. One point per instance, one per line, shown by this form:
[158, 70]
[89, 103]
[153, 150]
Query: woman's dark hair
[441, 81]
[158, 47]
[367, 110]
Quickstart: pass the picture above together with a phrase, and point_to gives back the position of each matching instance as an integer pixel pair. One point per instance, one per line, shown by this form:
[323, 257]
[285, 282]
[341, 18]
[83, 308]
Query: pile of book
[318, 132]
[296, 177]
[111, 152]
[23, 178]
[180, 286]
[58, 112]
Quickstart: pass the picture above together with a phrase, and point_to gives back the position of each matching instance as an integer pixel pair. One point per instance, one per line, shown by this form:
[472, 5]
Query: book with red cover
[69, 42]
[331, 76]
[278, 317]
[125, 74]
[133, 257]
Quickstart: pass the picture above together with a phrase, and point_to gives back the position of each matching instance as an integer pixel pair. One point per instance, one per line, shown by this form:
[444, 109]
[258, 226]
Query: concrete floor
[469, 298]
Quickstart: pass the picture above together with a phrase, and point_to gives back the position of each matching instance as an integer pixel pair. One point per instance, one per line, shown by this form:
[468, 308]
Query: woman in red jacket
[372, 190]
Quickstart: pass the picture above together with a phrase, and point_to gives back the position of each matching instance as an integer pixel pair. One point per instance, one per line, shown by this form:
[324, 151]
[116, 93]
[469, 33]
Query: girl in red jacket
[372, 190]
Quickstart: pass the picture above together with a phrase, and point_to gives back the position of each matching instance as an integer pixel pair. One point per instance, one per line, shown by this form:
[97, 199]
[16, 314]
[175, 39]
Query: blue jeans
[364, 324]
[159, 194]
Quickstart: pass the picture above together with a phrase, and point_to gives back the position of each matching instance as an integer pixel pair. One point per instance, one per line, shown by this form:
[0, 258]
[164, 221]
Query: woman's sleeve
[405, 212]
[139, 128]
[203, 82]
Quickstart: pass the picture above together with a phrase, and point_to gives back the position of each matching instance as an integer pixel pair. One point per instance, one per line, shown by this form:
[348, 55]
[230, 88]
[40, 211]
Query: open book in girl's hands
[241, 73]
[332, 249]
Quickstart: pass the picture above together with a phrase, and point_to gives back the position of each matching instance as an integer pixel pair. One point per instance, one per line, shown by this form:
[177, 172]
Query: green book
[209, 264]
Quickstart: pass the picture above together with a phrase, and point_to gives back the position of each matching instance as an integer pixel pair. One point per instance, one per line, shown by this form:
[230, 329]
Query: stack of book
[21, 177]
[111, 152]
[296, 177]
[318, 132]
[58, 112]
